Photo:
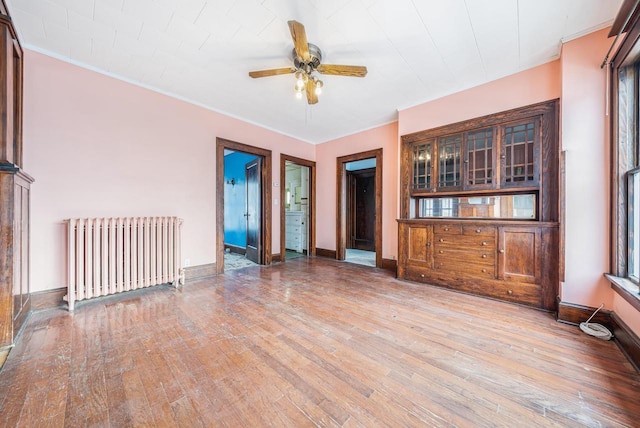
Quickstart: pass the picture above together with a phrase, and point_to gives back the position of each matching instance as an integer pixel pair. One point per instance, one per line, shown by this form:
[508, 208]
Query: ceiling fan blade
[299, 37]
[312, 97]
[272, 72]
[343, 70]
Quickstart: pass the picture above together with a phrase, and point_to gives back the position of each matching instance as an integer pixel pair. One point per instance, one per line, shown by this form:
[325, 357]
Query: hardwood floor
[311, 342]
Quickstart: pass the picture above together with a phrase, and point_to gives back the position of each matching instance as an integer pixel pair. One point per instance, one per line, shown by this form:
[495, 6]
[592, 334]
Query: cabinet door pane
[449, 161]
[480, 158]
[520, 153]
[422, 171]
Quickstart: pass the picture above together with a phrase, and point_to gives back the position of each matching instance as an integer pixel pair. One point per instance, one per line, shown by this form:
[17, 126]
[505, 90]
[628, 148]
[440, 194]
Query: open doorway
[243, 223]
[297, 211]
[359, 208]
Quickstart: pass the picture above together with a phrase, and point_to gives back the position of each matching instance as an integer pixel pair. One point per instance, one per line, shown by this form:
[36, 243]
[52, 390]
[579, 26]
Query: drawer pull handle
[421, 275]
[477, 230]
[441, 252]
[441, 239]
[484, 243]
[446, 229]
[501, 251]
[484, 256]
[428, 244]
[484, 271]
[510, 292]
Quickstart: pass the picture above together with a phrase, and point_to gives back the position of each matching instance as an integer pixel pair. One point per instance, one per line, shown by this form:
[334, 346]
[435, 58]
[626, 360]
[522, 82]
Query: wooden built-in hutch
[14, 189]
[480, 206]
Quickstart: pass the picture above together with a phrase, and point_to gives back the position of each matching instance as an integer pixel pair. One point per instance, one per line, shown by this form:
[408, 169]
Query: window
[625, 180]
[516, 207]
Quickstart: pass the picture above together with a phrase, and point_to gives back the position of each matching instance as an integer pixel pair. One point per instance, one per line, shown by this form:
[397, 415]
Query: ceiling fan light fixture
[307, 60]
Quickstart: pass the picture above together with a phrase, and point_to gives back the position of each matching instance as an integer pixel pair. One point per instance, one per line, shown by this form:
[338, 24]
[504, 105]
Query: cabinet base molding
[195, 273]
[48, 299]
[321, 252]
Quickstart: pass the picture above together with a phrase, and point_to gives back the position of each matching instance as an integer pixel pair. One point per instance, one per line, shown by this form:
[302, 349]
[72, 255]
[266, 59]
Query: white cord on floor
[594, 329]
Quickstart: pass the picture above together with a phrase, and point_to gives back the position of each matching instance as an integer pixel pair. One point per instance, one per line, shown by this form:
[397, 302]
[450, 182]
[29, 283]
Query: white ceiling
[202, 50]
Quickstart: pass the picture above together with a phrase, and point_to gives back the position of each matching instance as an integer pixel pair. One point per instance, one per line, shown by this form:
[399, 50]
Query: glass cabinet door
[422, 168]
[520, 153]
[450, 161]
[479, 158]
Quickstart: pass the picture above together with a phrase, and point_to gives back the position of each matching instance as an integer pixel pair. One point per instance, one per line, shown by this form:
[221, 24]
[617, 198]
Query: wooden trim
[194, 273]
[627, 341]
[276, 257]
[235, 249]
[624, 288]
[311, 244]
[390, 264]
[321, 252]
[562, 216]
[341, 203]
[627, 8]
[48, 299]
[618, 204]
[571, 313]
[221, 145]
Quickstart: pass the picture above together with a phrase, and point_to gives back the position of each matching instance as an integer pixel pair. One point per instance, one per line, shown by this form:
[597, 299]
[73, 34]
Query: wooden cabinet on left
[14, 189]
[14, 252]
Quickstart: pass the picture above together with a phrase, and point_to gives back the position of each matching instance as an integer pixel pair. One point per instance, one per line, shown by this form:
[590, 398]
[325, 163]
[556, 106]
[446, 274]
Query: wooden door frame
[311, 238]
[221, 145]
[341, 202]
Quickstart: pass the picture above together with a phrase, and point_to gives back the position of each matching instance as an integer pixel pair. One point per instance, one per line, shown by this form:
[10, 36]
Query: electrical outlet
[187, 262]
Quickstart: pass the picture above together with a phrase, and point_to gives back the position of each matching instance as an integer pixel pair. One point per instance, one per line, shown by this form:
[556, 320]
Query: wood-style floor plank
[311, 343]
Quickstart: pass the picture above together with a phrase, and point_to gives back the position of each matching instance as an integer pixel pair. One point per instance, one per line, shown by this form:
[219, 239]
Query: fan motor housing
[315, 55]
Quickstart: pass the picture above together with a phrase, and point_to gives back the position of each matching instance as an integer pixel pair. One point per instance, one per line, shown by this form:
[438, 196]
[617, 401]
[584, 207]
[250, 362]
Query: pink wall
[585, 138]
[385, 137]
[538, 84]
[98, 146]
[585, 142]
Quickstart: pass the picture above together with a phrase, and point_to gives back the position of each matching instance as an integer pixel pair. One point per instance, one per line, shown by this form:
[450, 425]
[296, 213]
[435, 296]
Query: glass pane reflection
[521, 207]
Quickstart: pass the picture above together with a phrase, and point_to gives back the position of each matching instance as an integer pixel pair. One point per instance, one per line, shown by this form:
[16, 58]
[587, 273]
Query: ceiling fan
[307, 59]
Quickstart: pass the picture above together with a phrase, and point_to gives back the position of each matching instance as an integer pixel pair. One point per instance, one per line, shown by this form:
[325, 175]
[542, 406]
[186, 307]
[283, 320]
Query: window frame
[627, 55]
[631, 238]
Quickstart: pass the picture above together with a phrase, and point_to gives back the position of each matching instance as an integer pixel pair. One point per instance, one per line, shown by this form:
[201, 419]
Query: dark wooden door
[253, 171]
[361, 207]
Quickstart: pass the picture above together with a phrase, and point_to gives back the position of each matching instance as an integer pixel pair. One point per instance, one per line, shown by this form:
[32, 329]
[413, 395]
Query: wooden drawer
[465, 241]
[475, 270]
[447, 229]
[475, 255]
[476, 230]
[295, 230]
[293, 222]
[417, 274]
